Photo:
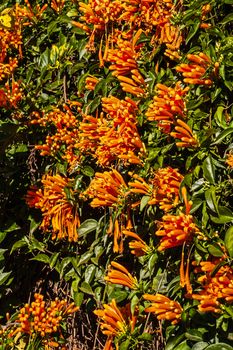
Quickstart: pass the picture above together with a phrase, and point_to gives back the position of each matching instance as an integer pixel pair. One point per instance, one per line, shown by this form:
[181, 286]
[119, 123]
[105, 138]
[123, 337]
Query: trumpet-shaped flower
[164, 308]
[65, 138]
[229, 160]
[163, 188]
[43, 318]
[137, 246]
[107, 189]
[58, 212]
[185, 134]
[113, 135]
[195, 72]
[215, 288]
[168, 104]
[118, 274]
[114, 321]
[175, 230]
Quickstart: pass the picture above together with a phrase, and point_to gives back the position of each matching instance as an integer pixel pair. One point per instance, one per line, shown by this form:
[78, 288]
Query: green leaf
[88, 171]
[118, 294]
[211, 199]
[144, 201]
[194, 335]
[94, 104]
[220, 119]
[2, 236]
[133, 304]
[228, 18]
[101, 85]
[152, 262]
[229, 241]
[215, 250]
[192, 31]
[222, 136]
[173, 341]
[86, 288]
[4, 276]
[84, 258]
[42, 258]
[183, 346]
[19, 244]
[78, 298]
[200, 345]
[53, 259]
[64, 263]
[2, 251]
[35, 244]
[87, 226]
[219, 346]
[225, 215]
[209, 170]
[124, 345]
[44, 59]
[146, 337]
[197, 202]
[89, 273]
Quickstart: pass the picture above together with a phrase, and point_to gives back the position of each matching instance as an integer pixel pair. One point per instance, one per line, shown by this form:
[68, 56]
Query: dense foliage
[116, 222]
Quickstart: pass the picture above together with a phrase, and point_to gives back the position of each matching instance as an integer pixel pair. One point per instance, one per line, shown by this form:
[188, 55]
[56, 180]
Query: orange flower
[65, 138]
[57, 210]
[6, 69]
[30, 13]
[114, 321]
[164, 308]
[91, 83]
[175, 230]
[107, 189]
[11, 37]
[194, 73]
[229, 160]
[167, 105]
[113, 135]
[185, 134]
[125, 67]
[163, 188]
[138, 246]
[215, 288]
[57, 5]
[41, 318]
[120, 275]
[13, 93]
[204, 11]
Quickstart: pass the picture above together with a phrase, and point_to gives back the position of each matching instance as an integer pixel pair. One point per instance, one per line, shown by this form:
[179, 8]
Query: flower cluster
[137, 246]
[118, 274]
[175, 230]
[29, 14]
[196, 71]
[43, 318]
[215, 287]
[115, 322]
[163, 188]
[57, 210]
[112, 135]
[167, 105]
[124, 65]
[57, 5]
[10, 38]
[164, 308]
[66, 136]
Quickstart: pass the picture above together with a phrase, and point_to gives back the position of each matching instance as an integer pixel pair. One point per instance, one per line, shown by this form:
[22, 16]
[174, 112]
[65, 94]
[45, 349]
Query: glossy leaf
[229, 241]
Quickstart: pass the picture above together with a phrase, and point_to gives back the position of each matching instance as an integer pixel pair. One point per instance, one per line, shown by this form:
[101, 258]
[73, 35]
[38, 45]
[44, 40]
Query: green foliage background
[53, 68]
